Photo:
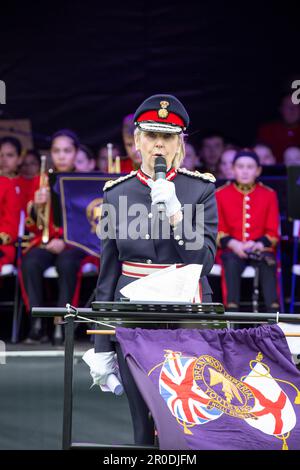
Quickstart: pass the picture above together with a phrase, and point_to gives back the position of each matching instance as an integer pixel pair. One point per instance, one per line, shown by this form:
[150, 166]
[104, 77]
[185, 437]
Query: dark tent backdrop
[85, 65]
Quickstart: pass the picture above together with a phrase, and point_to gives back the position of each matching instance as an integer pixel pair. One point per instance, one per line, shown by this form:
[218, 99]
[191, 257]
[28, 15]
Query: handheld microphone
[160, 170]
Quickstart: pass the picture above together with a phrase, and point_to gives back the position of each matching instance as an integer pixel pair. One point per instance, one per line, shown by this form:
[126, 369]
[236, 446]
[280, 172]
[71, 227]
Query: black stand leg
[68, 382]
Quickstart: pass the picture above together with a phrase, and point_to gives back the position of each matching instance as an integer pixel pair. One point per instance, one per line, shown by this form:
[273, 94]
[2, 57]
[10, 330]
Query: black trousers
[143, 426]
[37, 260]
[233, 268]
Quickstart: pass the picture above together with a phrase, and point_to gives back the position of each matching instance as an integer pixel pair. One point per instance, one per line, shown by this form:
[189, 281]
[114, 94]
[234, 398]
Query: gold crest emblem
[93, 213]
[163, 113]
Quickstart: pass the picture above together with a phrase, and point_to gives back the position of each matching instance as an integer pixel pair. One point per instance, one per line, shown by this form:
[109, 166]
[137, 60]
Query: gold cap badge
[163, 112]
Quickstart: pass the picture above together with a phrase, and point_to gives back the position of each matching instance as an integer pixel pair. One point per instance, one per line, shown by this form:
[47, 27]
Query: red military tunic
[126, 165]
[9, 220]
[27, 188]
[247, 213]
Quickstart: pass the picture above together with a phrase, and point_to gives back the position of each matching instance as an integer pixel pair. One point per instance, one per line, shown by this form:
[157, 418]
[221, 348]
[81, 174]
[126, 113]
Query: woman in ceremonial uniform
[160, 122]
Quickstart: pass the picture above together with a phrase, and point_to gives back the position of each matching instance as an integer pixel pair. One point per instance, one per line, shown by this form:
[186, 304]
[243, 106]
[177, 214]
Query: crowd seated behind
[291, 156]
[10, 156]
[283, 133]
[265, 154]
[277, 147]
[211, 149]
[225, 170]
[85, 160]
[191, 160]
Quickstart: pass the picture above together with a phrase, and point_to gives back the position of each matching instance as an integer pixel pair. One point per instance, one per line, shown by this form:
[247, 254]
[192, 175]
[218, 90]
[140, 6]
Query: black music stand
[115, 311]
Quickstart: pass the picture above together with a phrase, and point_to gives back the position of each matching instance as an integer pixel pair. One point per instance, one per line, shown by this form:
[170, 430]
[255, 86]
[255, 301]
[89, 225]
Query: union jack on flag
[178, 388]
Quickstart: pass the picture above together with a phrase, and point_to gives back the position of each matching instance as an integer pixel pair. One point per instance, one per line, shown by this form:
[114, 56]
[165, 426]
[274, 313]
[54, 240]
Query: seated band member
[54, 252]
[248, 229]
[160, 122]
[10, 160]
[10, 156]
[85, 160]
[26, 181]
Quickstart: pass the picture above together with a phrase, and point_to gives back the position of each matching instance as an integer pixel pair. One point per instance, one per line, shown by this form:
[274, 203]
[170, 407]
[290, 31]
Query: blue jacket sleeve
[110, 269]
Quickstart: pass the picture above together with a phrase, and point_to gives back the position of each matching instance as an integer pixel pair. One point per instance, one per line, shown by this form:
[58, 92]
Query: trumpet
[43, 211]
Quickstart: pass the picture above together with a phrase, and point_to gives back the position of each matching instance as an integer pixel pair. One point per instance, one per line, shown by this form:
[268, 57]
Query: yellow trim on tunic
[220, 236]
[273, 240]
[5, 238]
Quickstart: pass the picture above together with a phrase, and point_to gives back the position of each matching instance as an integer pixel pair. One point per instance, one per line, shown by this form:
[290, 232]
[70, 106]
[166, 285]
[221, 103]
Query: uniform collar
[143, 177]
[11, 176]
[244, 188]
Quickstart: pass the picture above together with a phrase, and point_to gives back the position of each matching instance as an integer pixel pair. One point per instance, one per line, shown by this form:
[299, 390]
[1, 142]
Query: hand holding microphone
[163, 192]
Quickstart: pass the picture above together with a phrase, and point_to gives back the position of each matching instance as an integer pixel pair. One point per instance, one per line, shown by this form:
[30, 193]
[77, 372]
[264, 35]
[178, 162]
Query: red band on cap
[153, 116]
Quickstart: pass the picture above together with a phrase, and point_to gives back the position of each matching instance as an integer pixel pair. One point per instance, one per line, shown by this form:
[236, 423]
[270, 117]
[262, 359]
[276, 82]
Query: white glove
[164, 191]
[101, 365]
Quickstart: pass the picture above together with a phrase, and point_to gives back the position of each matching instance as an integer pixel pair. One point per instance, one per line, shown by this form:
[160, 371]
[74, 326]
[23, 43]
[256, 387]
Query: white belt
[133, 269]
[138, 270]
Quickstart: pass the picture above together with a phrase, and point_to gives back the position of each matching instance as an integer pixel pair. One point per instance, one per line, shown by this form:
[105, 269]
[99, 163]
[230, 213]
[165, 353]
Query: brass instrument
[113, 167]
[43, 211]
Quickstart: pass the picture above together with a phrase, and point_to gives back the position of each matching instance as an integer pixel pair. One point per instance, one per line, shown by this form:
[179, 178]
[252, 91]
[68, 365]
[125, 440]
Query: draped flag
[217, 389]
[81, 196]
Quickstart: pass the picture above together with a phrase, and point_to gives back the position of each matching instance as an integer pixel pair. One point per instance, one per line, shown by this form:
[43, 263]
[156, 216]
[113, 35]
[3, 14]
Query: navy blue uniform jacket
[191, 188]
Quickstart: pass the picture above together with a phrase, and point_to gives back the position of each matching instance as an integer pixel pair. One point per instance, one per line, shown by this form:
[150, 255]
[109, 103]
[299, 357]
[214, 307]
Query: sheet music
[168, 284]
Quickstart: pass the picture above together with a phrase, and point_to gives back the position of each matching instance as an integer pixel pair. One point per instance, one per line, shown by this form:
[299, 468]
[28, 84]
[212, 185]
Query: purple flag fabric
[217, 389]
[81, 196]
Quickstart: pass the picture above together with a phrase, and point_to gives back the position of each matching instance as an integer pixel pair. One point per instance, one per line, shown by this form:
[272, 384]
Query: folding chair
[248, 273]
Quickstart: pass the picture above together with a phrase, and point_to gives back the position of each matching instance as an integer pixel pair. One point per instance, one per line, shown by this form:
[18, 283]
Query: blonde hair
[180, 154]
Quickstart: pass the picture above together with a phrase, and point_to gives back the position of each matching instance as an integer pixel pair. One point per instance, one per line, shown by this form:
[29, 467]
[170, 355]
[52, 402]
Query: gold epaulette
[109, 184]
[197, 174]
